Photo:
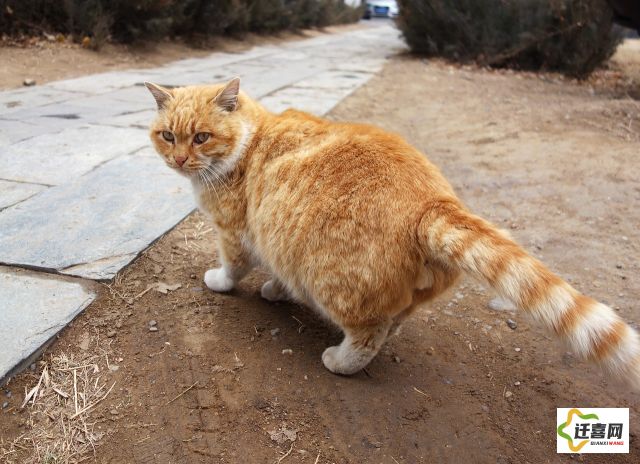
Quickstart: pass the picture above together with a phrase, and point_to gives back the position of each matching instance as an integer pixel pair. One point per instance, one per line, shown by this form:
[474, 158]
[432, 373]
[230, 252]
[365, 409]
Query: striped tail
[457, 239]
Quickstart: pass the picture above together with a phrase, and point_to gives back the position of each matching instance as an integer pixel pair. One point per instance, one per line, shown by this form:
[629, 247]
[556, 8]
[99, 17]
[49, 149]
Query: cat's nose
[180, 159]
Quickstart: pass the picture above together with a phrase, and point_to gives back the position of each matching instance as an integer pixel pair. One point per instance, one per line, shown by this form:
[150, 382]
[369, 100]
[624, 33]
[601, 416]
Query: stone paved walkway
[81, 191]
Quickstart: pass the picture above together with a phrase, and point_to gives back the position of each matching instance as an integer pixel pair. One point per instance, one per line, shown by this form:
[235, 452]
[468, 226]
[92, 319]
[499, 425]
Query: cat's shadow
[291, 324]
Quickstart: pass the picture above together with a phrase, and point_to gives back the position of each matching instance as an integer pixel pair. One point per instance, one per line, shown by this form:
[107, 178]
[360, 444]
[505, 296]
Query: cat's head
[198, 130]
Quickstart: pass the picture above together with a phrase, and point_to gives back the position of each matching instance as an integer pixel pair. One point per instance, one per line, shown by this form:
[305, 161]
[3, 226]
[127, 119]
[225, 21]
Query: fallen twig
[83, 410]
[287, 453]
[182, 393]
[33, 393]
[421, 392]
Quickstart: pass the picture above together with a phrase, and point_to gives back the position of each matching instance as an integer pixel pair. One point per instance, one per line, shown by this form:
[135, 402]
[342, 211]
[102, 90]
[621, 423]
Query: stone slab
[96, 84]
[258, 83]
[137, 119]
[73, 113]
[15, 131]
[33, 308]
[95, 225]
[15, 192]
[371, 65]
[16, 100]
[334, 79]
[309, 99]
[55, 159]
[116, 102]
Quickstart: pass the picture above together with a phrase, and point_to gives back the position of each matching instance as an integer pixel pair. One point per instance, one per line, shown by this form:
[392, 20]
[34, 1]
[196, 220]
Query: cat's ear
[227, 99]
[160, 93]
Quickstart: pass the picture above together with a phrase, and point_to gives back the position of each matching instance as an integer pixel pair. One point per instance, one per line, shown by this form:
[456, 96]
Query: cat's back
[341, 154]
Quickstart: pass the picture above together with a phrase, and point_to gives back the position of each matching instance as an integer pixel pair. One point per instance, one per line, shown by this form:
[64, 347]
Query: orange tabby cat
[356, 223]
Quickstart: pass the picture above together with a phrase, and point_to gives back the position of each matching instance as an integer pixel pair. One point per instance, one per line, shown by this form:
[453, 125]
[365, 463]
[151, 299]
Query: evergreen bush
[569, 36]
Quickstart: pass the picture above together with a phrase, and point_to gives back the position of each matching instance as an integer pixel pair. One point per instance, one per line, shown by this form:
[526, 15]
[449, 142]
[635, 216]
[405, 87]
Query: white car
[381, 9]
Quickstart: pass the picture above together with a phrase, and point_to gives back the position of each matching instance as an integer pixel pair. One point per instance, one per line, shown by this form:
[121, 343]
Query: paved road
[81, 191]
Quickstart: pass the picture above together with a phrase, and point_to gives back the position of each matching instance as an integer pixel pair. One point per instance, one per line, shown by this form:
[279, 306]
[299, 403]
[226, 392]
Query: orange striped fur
[356, 223]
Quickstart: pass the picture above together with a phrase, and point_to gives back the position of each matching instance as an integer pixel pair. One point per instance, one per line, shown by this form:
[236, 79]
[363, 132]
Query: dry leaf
[165, 288]
[283, 435]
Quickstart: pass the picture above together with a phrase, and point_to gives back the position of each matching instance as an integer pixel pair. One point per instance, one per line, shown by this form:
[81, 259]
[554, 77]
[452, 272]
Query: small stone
[5, 405]
[396, 359]
[153, 329]
[508, 394]
[517, 350]
[288, 351]
[275, 332]
[517, 384]
[114, 367]
[28, 82]
[152, 323]
[114, 412]
[512, 324]
[430, 351]
[459, 295]
[8, 394]
[111, 333]
[192, 276]
[619, 266]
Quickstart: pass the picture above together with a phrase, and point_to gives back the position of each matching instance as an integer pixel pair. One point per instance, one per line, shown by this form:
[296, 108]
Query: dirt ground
[47, 60]
[553, 161]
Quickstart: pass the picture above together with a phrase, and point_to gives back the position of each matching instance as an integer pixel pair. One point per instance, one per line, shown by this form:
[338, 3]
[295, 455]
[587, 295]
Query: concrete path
[82, 193]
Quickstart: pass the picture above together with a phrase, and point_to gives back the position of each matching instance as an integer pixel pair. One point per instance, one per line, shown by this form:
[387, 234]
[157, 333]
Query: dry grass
[60, 427]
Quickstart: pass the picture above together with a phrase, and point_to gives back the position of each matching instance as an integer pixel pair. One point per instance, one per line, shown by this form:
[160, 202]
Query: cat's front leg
[235, 264]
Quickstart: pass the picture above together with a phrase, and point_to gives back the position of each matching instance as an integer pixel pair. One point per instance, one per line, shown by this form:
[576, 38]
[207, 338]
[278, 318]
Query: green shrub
[211, 18]
[132, 20]
[569, 36]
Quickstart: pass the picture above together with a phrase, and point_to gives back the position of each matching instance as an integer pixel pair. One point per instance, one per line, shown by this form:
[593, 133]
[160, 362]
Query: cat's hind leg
[273, 290]
[359, 347]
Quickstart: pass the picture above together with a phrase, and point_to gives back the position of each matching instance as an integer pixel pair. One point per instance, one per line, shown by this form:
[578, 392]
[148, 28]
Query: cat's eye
[201, 137]
[168, 136]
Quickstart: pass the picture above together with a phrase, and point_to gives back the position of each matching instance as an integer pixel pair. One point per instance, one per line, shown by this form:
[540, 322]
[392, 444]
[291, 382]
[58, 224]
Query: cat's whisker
[209, 183]
[213, 182]
[219, 176]
[204, 180]
[215, 176]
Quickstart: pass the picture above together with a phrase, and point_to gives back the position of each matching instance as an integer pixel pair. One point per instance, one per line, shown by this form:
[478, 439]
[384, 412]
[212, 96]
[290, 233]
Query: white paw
[218, 280]
[271, 291]
[330, 359]
[343, 361]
